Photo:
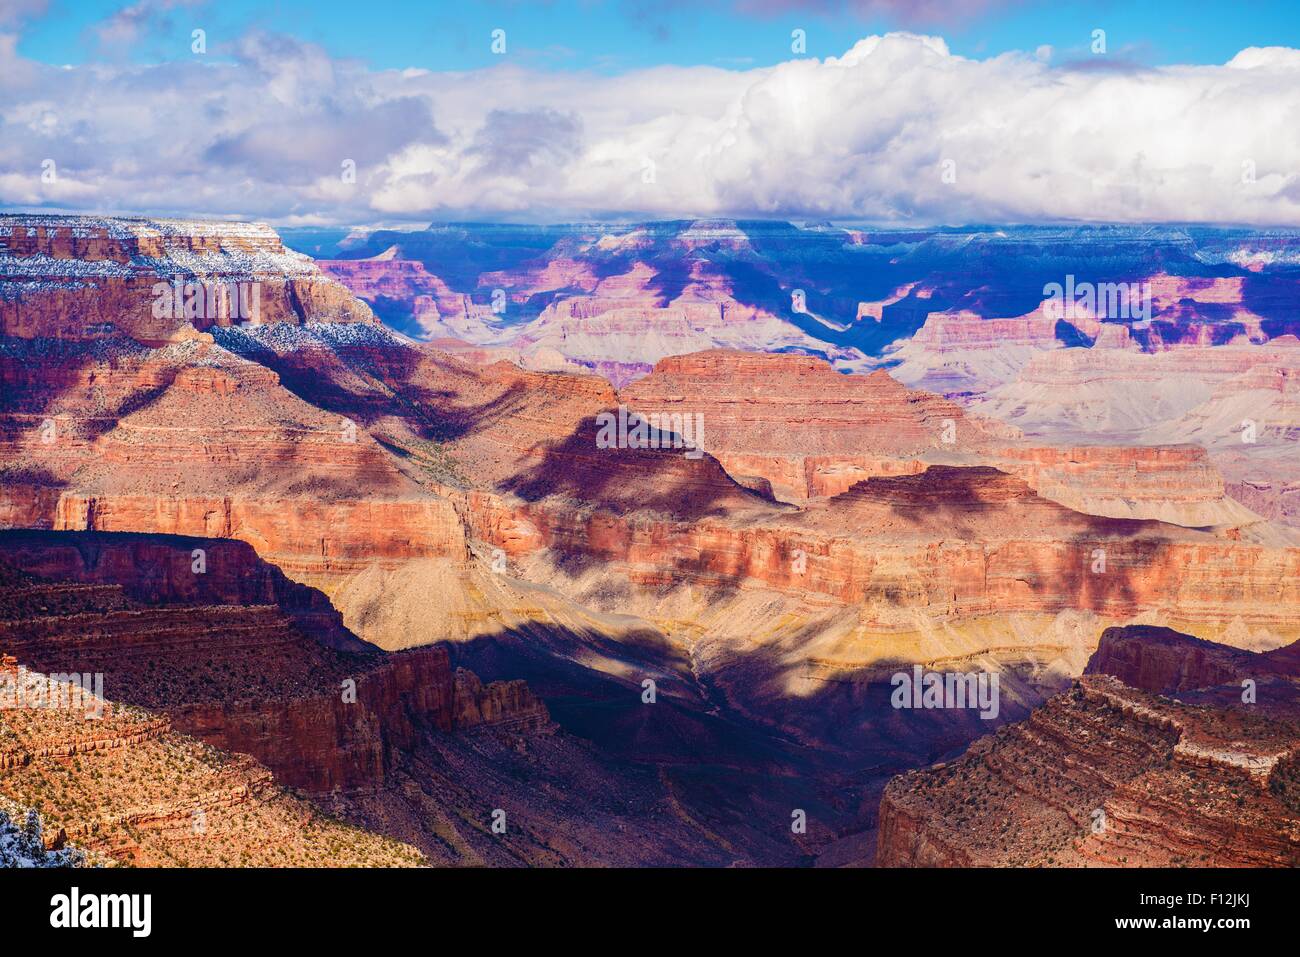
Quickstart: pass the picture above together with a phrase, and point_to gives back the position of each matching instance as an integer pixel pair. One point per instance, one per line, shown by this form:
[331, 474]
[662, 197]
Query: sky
[884, 111]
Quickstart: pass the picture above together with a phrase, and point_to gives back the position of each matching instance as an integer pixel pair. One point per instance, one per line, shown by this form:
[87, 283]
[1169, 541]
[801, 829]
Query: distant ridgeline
[819, 288]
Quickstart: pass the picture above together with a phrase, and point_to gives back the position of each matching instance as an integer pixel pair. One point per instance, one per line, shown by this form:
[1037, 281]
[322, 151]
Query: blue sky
[617, 35]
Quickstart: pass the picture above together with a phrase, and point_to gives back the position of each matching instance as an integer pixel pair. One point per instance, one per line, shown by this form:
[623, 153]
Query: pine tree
[24, 846]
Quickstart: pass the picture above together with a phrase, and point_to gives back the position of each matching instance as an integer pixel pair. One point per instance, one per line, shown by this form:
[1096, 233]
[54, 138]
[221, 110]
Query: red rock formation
[525, 443]
[1111, 774]
[499, 704]
[191, 440]
[956, 542]
[80, 277]
[811, 431]
[513, 458]
[131, 789]
[1164, 661]
[242, 676]
[806, 428]
[1105, 775]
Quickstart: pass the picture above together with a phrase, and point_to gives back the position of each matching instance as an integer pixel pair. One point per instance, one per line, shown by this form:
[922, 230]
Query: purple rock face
[828, 289]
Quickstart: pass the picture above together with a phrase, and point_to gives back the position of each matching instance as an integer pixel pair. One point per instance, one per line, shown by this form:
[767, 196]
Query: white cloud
[863, 135]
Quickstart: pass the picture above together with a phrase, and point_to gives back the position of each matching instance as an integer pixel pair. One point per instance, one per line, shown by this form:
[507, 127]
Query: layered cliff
[193, 440]
[74, 277]
[247, 674]
[810, 431]
[127, 782]
[142, 793]
[1235, 401]
[958, 542]
[1164, 661]
[807, 429]
[1108, 774]
[1179, 484]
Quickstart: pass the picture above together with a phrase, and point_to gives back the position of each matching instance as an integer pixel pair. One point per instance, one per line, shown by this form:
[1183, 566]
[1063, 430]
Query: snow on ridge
[229, 267]
[231, 264]
[85, 227]
[41, 266]
[282, 337]
[98, 349]
[10, 291]
[246, 250]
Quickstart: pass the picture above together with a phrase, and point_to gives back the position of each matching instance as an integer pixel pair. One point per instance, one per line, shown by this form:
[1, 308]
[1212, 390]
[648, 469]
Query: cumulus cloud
[534, 145]
[895, 129]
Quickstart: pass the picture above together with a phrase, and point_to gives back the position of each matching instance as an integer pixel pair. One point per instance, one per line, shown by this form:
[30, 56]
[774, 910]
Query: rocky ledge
[1107, 774]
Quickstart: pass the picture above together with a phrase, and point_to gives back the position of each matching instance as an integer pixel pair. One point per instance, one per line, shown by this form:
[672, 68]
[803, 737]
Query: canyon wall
[1029, 554]
[1109, 774]
[248, 674]
[810, 431]
[79, 277]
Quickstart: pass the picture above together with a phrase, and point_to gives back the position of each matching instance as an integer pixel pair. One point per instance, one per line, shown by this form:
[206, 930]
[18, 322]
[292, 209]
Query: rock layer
[1107, 774]
[80, 277]
[243, 676]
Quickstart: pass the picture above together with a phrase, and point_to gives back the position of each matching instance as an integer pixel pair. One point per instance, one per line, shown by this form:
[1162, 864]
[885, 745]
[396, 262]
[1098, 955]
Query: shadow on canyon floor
[827, 753]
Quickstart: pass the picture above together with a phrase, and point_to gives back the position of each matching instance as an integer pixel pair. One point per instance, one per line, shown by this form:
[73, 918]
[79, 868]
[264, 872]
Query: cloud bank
[896, 129]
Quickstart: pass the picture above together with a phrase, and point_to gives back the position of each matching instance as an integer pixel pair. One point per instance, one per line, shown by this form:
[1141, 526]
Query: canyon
[958, 312]
[235, 734]
[639, 656]
[952, 308]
